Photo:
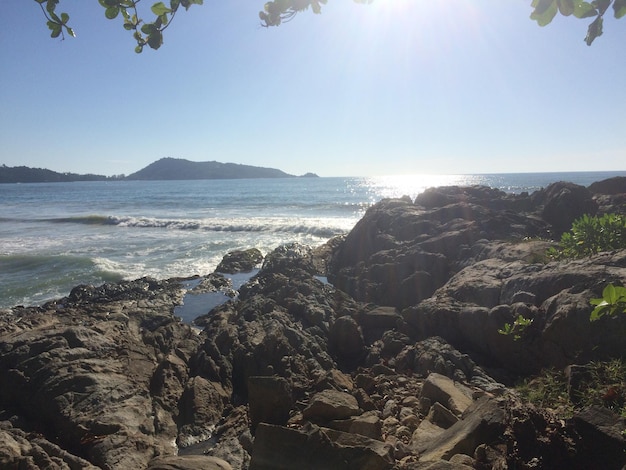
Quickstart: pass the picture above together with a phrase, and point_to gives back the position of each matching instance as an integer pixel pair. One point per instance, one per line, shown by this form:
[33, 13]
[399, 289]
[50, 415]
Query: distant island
[163, 169]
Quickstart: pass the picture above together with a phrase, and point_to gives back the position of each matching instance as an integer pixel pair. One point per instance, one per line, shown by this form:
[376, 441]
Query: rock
[240, 261]
[441, 416]
[330, 405]
[286, 258]
[189, 462]
[22, 450]
[316, 449]
[565, 202]
[601, 437]
[453, 396]
[377, 321]
[399, 253]
[103, 384]
[615, 185]
[346, 339]
[201, 406]
[368, 424]
[270, 400]
[482, 422]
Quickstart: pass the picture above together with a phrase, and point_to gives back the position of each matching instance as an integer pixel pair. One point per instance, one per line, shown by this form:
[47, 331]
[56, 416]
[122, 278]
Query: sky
[394, 87]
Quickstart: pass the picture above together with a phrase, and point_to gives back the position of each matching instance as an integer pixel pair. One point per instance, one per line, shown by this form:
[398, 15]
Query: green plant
[604, 386]
[613, 301]
[516, 328]
[590, 235]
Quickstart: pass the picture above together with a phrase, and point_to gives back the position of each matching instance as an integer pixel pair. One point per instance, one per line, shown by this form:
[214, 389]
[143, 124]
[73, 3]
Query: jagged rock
[470, 309]
[436, 355]
[240, 261]
[399, 253]
[19, 449]
[329, 405]
[101, 371]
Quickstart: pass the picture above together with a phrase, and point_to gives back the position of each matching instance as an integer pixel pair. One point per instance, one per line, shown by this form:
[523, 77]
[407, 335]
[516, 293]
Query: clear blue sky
[395, 87]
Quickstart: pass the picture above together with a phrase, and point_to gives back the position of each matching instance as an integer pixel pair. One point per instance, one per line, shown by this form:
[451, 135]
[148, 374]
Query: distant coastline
[161, 170]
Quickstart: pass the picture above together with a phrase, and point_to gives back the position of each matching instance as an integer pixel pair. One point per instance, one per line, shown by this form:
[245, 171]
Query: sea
[55, 236]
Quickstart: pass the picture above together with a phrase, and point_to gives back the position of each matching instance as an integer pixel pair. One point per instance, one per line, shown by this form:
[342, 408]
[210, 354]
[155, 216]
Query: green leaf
[155, 40]
[138, 49]
[112, 12]
[55, 28]
[566, 7]
[160, 9]
[544, 12]
[65, 18]
[609, 294]
[70, 31]
[619, 7]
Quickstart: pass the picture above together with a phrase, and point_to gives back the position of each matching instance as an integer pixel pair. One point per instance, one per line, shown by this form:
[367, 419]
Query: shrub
[590, 235]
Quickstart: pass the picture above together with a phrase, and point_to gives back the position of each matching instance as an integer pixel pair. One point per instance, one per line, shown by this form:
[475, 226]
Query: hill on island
[181, 169]
[163, 169]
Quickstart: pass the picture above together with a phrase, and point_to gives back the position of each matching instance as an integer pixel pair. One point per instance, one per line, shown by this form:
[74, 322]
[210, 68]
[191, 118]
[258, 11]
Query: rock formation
[396, 363]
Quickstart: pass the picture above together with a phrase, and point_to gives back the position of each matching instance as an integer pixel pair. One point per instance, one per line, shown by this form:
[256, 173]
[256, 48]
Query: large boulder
[563, 203]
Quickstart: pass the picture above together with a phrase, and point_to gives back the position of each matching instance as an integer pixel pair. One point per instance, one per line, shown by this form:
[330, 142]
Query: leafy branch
[276, 12]
[545, 11]
[57, 24]
[144, 32]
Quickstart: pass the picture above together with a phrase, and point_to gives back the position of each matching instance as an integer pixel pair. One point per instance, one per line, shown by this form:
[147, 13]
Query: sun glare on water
[395, 186]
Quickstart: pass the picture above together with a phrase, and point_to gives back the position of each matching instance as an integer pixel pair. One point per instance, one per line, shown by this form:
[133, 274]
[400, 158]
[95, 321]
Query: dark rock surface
[398, 364]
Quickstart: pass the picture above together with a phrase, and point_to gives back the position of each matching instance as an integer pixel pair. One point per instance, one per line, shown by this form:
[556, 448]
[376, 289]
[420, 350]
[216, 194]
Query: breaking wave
[324, 228]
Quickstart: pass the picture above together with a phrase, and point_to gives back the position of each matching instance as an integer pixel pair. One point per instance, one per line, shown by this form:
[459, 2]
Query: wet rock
[240, 261]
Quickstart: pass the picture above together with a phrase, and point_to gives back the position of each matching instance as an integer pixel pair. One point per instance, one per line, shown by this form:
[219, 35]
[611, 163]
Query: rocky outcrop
[100, 372]
[395, 364]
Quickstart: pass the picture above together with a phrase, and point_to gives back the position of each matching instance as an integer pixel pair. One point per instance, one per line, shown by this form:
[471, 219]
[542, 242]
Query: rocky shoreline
[396, 363]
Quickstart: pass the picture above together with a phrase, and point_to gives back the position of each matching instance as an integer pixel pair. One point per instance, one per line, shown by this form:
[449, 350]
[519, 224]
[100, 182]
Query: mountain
[181, 169]
[24, 174]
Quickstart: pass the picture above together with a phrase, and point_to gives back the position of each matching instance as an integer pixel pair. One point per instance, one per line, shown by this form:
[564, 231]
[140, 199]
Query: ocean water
[58, 235]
